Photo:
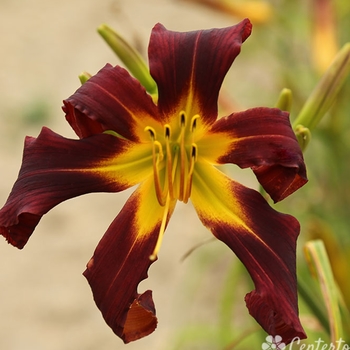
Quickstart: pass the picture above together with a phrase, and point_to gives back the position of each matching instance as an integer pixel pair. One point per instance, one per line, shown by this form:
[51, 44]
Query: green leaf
[320, 268]
[313, 301]
[326, 91]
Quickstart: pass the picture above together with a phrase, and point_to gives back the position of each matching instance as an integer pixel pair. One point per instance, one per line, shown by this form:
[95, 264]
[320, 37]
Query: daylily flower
[171, 149]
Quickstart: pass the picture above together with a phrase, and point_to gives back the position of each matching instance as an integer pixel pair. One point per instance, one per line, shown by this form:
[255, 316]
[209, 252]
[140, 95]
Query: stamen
[182, 155]
[153, 256]
[175, 162]
[193, 159]
[157, 156]
[167, 131]
[173, 169]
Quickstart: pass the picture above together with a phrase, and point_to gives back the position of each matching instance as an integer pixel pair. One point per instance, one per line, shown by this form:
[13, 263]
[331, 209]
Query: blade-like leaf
[320, 268]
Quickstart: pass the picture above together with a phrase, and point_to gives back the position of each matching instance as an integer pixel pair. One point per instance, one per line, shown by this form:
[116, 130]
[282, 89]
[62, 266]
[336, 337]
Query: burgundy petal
[55, 169]
[189, 67]
[120, 262]
[263, 239]
[263, 139]
[111, 100]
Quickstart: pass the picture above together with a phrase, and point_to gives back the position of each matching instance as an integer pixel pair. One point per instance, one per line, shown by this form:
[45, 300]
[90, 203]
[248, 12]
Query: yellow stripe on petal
[212, 146]
[210, 186]
[151, 215]
[220, 201]
[217, 204]
[131, 166]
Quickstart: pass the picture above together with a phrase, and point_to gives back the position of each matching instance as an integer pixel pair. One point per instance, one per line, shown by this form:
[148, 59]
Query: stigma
[174, 154]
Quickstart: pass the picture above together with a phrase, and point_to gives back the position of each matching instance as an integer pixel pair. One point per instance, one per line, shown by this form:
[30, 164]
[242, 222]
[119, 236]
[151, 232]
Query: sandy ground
[45, 302]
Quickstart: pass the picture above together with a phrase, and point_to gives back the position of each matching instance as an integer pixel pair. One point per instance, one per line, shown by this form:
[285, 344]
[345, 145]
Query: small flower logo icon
[273, 343]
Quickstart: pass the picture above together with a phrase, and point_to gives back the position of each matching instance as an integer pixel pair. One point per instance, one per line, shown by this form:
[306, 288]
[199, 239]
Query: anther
[169, 160]
[194, 122]
[151, 131]
[167, 130]
[182, 119]
[194, 151]
[193, 159]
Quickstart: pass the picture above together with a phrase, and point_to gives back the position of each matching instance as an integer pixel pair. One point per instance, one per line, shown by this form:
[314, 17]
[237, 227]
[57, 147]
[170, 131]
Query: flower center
[174, 156]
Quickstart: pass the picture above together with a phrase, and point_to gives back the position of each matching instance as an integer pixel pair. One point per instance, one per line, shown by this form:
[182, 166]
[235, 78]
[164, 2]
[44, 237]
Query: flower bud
[129, 56]
[284, 101]
[84, 77]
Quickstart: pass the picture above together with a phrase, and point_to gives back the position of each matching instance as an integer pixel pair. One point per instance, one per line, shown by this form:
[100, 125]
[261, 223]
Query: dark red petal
[263, 239]
[189, 67]
[55, 169]
[81, 123]
[263, 139]
[110, 100]
[121, 261]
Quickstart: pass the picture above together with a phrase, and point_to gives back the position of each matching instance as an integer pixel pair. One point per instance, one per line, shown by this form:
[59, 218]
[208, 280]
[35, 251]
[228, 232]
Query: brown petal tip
[141, 319]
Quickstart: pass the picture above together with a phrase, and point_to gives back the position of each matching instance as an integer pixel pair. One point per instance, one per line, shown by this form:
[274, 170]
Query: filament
[157, 158]
[154, 255]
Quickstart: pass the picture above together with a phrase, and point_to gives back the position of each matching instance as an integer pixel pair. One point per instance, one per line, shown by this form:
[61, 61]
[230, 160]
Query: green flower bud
[129, 56]
[284, 101]
[303, 135]
[84, 77]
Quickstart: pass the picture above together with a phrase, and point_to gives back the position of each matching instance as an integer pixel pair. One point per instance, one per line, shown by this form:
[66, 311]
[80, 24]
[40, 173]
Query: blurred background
[45, 302]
